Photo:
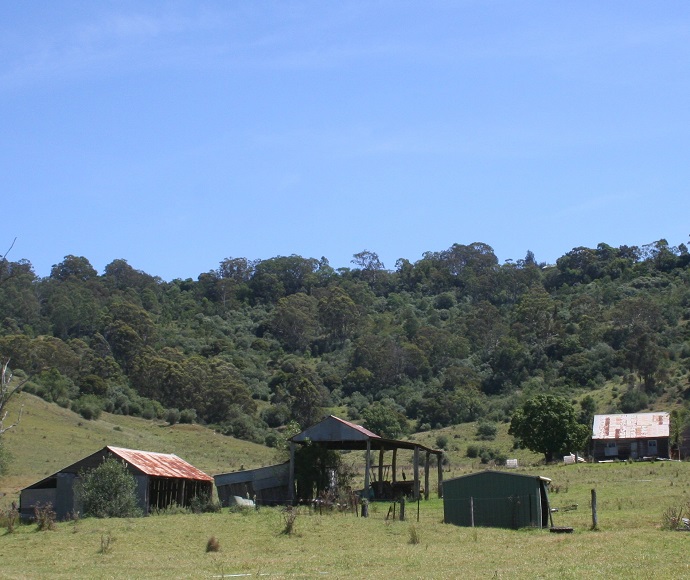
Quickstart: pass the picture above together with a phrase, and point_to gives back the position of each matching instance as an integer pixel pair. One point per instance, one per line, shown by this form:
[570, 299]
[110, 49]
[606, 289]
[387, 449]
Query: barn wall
[28, 498]
[64, 501]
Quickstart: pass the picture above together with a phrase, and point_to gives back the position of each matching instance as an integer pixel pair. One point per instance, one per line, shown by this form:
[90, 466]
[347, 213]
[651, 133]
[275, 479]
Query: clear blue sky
[176, 134]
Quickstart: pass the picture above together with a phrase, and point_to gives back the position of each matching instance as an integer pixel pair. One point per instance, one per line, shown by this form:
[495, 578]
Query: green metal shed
[497, 499]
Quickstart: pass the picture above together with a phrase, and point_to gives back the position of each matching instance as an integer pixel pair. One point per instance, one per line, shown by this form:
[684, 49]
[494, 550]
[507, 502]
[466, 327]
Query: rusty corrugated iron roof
[357, 427]
[631, 426]
[160, 464]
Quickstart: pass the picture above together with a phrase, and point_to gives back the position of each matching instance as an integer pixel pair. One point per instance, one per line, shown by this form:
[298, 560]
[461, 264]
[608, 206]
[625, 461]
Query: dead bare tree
[8, 389]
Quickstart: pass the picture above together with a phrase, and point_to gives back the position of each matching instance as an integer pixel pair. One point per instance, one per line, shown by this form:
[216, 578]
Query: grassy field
[632, 498]
[629, 541]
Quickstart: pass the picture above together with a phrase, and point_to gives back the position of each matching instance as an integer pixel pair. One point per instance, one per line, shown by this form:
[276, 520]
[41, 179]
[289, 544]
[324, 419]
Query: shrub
[108, 490]
[45, 517]
[204, 503]
[88, 406]
[289, 517]
[486, 430]
[442, 442]
[172, 416]
[11, 517]
[188, 416]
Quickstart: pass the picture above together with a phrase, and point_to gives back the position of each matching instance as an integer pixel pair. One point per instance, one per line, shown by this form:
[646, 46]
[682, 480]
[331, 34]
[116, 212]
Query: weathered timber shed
[631, 436]
[497, 499]
[335, 433]
[268, 485]
[162, 479]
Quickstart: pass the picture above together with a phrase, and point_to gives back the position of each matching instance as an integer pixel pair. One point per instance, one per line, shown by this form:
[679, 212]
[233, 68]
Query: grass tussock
[107, 541]
[414, 536]
[213, 545]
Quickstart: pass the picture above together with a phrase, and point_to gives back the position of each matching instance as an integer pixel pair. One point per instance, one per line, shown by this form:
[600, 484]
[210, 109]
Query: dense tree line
[450, 338]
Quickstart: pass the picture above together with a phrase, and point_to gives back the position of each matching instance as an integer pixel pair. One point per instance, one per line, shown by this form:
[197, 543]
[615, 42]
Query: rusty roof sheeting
[160, 464]
[357, 427]
[632, 426]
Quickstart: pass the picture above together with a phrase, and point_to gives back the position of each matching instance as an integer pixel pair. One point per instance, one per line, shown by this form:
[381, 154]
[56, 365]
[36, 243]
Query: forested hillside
[454, 337]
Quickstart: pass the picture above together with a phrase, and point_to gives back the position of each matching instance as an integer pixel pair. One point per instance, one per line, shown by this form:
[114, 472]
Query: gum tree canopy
[548, 424]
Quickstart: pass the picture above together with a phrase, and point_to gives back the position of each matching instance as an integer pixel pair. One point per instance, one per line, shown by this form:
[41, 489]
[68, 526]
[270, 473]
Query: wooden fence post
[595, 516]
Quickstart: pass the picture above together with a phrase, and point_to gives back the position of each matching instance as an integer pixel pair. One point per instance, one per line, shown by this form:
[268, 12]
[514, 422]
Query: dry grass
[343, 546]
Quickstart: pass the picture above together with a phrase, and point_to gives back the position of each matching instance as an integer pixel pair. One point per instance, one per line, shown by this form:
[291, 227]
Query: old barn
[497, 499]
[162, 480]
[631, 436]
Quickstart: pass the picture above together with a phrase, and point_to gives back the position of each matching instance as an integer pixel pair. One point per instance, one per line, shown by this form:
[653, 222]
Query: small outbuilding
[163, 479]
[266, 485]
[497, 499]
[631, 436]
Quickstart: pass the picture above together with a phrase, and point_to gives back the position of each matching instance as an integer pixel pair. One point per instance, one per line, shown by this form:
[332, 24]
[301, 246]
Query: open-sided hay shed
[336, 433]
[497, 499]
[162, 480]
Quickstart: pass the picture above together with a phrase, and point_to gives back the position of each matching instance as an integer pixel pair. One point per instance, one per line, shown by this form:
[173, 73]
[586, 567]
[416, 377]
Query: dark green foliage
[108, 491]
[385, 420]
[449, 338]
[88, 406]
[204, 504]
[633, 400]
[486, 430]
[548, 424]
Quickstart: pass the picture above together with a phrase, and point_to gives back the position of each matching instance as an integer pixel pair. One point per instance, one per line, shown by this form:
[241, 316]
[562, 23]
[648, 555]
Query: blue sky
[176, 134]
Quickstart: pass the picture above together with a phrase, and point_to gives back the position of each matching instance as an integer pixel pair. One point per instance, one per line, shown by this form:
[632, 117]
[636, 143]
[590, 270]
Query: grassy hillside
[50, 437]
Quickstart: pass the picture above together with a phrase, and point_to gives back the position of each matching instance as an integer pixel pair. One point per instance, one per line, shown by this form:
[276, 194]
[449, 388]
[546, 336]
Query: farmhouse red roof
[160, 464]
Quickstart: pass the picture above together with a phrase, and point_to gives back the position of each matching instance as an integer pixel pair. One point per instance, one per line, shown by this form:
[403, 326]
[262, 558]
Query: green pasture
[629, 541]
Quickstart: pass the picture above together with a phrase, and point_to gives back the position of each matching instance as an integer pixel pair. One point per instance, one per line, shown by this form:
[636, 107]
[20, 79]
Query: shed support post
[440, 476]
[380, 481]
[367, 463]
[426, 475]
[394, 466]
[291, 476]
[416, 472]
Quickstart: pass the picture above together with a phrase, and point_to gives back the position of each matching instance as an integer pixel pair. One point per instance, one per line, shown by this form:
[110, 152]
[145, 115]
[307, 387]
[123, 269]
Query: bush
[88, 406]
[202, 504]
[172, 416]
[45, 517]
[108, 491]
[486, 431]
[442, 442]
[188, 416]
[633, 400]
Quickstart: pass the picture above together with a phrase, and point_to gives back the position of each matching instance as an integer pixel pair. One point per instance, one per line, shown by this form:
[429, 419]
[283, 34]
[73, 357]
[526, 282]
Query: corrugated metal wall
[493, 499]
